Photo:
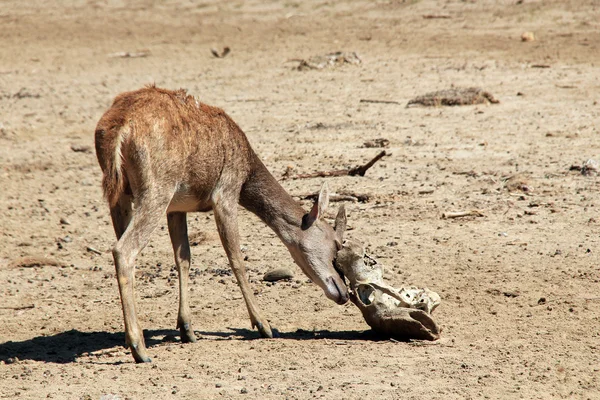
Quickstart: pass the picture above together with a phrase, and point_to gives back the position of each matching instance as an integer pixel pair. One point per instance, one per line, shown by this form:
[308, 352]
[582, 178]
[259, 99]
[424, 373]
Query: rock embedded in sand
[278, 274]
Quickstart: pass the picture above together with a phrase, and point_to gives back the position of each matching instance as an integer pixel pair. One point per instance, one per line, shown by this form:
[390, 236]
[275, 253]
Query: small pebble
[527, 37]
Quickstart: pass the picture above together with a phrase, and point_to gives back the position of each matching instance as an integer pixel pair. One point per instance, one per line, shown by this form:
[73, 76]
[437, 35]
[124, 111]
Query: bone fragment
[458, 214]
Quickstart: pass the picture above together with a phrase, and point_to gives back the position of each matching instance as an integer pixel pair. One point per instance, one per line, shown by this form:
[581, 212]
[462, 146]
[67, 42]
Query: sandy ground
[520, 307]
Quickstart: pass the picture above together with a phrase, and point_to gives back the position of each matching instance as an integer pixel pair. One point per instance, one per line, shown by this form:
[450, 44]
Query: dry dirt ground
[520, 305]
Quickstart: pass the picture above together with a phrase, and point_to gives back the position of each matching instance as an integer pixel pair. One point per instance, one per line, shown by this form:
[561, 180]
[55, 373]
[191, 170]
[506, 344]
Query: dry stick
[128, 54]
[346, 197]
[566, 86]
[34, 261]
[379, 101]
[93, 250]
[359, 170]
[17, 308]
[332, 197]
[222, 54]
[354, 197]
[474, 213]
[436, 16]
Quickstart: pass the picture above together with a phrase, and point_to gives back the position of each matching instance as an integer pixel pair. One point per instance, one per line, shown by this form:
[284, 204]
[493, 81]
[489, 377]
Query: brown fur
[179, 113]
[165, 152]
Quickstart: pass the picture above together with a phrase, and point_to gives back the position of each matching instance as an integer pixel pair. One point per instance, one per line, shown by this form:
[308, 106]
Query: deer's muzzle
[336, 289]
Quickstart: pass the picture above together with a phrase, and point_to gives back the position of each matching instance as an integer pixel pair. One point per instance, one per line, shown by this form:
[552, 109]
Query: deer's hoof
[139, 355]
[187, 334]
[265, 330]
[141, 360]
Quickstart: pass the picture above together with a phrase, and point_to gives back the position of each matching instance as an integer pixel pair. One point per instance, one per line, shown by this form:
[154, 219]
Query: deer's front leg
[181, 248]
[226, 219]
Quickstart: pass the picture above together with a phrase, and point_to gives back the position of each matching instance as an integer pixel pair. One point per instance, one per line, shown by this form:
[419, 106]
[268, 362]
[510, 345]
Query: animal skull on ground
[401, 313]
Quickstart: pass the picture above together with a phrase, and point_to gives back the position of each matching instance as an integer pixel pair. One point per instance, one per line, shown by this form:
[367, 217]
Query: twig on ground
[17, 308]
[42, 204]
[359, 170]
[436, 16]
[379, 101]
[221, 54]
[470, 173]
[128, 54]
[347, 196]
[93, 250]
[380, 205]
[34, 261]
[458, 214]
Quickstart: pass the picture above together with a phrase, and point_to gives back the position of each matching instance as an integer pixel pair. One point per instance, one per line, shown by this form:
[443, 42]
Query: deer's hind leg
[145, 218]
[121, 214]
[181, 249]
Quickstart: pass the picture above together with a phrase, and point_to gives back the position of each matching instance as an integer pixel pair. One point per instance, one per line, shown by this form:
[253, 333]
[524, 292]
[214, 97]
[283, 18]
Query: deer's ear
[318, 210]
[340, 225]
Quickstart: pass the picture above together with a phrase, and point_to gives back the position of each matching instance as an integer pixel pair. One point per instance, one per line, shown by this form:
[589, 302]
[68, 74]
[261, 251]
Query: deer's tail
[109, 144]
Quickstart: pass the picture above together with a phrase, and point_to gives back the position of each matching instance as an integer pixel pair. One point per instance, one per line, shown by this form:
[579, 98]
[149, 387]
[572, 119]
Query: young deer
[162, 152]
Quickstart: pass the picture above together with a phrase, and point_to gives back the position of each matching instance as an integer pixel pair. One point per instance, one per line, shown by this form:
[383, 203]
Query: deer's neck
[265, 197]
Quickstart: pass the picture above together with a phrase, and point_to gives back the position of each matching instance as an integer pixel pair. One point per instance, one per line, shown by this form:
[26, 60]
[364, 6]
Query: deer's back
[168, 138]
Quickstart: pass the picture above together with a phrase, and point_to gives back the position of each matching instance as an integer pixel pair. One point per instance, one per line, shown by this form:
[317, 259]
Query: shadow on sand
[65, 347]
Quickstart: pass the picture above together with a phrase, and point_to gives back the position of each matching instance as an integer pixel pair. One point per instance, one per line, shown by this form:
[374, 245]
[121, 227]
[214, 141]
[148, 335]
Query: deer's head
[317, 245]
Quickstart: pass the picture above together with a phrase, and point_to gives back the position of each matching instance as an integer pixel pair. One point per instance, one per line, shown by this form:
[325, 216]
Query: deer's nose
[337, 290]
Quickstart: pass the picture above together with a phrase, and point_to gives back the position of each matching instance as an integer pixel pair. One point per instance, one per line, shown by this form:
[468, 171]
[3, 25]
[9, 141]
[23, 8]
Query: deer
[163, 152]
